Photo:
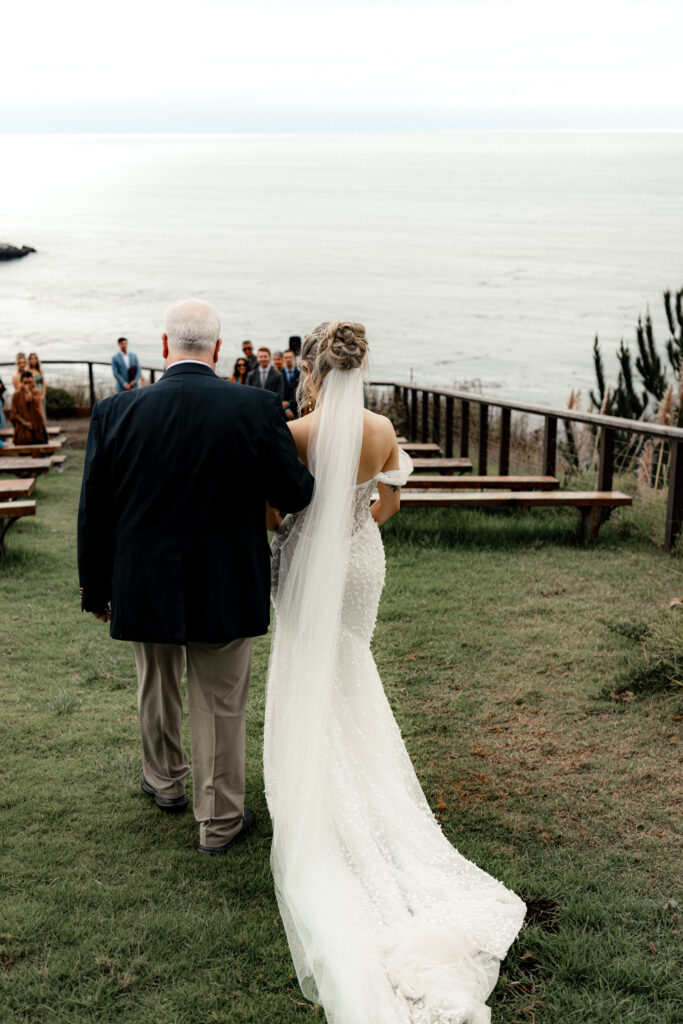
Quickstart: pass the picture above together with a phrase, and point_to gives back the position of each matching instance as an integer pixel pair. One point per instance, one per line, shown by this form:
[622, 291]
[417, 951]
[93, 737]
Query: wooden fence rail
[417, 400]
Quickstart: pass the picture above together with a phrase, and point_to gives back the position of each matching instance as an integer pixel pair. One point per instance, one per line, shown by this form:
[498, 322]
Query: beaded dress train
[387, 923]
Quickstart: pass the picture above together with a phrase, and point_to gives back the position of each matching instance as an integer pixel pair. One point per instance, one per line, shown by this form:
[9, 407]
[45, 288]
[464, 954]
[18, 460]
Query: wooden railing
[151, 370]
[443, 403]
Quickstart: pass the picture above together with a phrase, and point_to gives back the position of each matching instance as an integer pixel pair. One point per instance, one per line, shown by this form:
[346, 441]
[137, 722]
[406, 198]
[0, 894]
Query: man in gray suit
[265, 375]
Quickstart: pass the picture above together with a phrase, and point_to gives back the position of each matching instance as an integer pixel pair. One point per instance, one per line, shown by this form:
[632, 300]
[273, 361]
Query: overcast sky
[219, 65]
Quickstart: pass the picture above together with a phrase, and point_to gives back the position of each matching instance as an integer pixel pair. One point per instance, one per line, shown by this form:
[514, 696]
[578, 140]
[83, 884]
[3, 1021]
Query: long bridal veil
[387, 923]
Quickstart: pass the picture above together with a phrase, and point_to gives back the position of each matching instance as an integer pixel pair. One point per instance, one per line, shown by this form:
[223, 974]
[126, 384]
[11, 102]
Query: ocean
[488, 259]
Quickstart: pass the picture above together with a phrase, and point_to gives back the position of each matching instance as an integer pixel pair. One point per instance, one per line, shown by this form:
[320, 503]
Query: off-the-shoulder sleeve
[397, 477]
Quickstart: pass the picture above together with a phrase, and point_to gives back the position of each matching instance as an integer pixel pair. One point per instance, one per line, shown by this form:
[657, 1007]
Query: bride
[387, 923]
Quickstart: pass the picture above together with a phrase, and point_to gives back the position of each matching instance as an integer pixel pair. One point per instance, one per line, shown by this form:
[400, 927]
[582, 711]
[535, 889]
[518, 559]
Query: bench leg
[592, 519]
[5, 523]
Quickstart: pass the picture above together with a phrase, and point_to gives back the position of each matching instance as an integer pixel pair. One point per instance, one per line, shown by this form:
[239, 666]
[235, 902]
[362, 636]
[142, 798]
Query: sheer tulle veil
[304, 651]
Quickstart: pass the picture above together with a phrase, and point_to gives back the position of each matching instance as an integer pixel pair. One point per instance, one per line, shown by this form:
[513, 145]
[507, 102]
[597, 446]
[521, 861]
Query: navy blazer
[171, 523]
[120, 370]
[273, 380]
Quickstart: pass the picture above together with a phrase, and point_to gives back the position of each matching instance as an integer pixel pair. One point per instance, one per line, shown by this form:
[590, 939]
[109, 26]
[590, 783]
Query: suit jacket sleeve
[118, 376]
[280, 385]
[289, 485]
[95, 524]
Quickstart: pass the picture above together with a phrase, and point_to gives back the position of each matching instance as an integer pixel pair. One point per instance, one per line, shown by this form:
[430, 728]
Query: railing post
[152, 376]
[606, 462]
[413, 414]
[464, 429]
[449, 427]
[425, 416]
[674, 505]
[504, 450]
[483, 439]
[436, 419]
[550, 446]
[91, 380]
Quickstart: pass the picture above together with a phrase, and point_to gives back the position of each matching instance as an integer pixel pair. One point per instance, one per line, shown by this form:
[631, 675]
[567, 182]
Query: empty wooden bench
[421, 450]
[446, 466]
[594, 506]
[34, 450]
[10, 512]
[461, 483]
[12, 489]
[24, 467]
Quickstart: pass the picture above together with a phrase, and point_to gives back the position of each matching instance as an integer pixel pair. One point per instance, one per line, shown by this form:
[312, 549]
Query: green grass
[495, 646]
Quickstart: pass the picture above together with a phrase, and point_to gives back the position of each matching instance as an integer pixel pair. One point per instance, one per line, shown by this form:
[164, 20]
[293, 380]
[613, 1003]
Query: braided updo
[334, 345]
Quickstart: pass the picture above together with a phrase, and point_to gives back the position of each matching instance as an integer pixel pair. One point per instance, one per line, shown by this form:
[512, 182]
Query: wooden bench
[24, 467]
[460, 483]
[8, 432]
[446, 466]
[11, 489]
[10, 511]
[57, 462]
[423, 450]
[594, 506]
[35, 450]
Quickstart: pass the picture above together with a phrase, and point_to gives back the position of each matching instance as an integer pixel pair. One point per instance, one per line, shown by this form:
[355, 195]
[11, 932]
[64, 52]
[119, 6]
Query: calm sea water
[488, 256]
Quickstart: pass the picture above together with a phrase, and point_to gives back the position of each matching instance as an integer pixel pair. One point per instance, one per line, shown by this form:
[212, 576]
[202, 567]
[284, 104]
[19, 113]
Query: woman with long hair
[37, 371]
[239, 374]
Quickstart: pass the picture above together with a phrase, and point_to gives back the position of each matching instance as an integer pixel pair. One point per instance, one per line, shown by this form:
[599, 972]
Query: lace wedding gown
[387, 923]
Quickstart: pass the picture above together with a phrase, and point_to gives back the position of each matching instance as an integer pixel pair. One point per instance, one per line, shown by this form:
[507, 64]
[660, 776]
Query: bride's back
[379, 449]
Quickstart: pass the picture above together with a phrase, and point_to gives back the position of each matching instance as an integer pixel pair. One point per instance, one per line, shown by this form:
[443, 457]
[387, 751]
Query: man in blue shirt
[125, 367]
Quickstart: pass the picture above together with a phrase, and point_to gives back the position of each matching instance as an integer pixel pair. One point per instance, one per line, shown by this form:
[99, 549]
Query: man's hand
[127, 387]
[103, 616]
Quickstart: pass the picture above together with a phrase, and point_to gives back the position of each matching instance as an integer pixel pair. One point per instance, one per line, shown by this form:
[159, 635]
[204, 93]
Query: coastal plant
[59, 403]
[674, 316]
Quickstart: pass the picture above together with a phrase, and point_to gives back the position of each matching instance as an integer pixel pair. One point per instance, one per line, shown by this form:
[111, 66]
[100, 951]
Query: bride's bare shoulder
[377, 424]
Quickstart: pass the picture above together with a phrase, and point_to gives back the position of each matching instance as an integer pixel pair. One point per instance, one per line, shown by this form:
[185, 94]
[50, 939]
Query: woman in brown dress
[26, 413]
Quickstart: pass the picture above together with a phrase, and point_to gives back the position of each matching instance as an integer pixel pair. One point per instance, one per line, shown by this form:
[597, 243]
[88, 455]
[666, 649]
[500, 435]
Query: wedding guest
[3, 389]
[22, 365]
[26, 413]
[248, 351]
[278, 361]
[240, 372]
[125, 367]
[290, 382]
[265, 375]
[37, 371]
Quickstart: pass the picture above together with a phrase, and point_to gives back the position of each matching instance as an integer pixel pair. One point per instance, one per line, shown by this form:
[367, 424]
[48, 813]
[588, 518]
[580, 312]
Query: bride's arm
[389, 501]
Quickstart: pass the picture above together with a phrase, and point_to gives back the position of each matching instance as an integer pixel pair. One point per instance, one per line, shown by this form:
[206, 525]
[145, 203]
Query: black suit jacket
[273, 380]
[171, 523]
[289, 389]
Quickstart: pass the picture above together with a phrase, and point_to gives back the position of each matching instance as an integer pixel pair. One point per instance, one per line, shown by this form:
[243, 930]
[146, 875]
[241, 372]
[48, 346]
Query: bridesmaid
[37, 371]
[22, 365]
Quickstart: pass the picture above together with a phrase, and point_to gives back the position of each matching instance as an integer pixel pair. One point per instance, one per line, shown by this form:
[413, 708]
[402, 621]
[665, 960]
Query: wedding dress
[387, 923]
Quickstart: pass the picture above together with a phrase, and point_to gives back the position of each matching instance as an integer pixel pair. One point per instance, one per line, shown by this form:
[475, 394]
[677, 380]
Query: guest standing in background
[278, 361]
[265, 375]
[240, 372]
[248, 352]
[26, 413]
[290, 382]
[125, 367]
[22, 365]
[37, 371]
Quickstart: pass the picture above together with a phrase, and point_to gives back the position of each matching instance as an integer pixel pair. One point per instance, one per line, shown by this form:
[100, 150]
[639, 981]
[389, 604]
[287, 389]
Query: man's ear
[164, 346]
[217, 350]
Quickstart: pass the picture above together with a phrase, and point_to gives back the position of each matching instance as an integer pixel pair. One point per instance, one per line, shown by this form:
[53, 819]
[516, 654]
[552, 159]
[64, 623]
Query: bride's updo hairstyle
[337, 345]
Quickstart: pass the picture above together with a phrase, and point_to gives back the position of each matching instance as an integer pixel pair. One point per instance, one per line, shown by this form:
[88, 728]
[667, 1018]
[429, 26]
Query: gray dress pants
[217, 688]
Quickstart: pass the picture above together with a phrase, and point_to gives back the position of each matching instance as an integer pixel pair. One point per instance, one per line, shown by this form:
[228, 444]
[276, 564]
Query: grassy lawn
[497, 644]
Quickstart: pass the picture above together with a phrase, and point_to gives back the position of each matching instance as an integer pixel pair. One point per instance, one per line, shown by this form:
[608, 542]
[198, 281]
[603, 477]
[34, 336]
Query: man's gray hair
[192, 326]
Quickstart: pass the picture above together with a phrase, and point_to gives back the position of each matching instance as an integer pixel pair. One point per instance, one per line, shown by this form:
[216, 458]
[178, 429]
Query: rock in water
[14, 252]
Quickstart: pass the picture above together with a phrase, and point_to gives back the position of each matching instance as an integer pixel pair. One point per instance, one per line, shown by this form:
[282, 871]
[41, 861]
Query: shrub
[59, 403]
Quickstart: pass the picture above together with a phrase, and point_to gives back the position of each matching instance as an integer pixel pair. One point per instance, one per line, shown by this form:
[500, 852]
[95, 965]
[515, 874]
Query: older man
[172, 532]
